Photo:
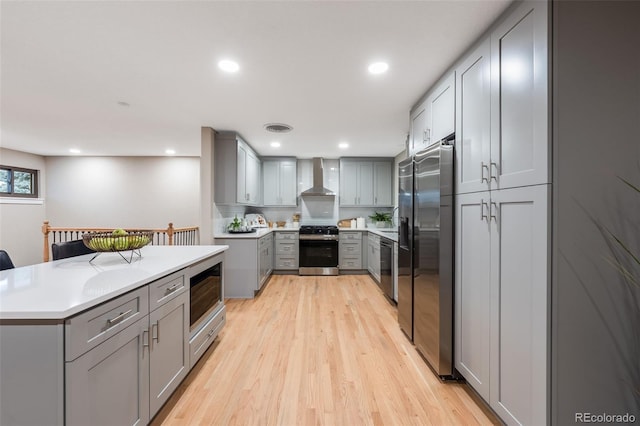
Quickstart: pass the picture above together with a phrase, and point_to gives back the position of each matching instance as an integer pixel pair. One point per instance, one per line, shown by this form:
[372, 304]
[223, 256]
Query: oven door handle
[318, 238]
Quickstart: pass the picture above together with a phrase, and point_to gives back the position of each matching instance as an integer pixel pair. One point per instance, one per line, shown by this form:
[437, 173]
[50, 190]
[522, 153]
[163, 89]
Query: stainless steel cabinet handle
[145, 345]
[482, 215]
[157, 335]
[171, 289]
[491, 175]
[482, 167]
[119, 318]
[491, 215]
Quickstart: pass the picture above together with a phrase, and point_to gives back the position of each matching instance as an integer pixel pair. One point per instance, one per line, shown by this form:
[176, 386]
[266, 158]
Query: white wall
[127, 192]
[20, 224]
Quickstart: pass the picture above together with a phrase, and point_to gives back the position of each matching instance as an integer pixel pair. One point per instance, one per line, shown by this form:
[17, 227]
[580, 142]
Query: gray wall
[595, 313]
[127, 192]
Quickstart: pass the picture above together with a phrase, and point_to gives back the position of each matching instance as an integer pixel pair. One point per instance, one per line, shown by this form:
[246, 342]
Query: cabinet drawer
[350, 248]
[286, 235]
[283, 262]
[286, 247]
[203, 339]
[90, 328]
[165, 289]
[350, 235]
[351, 263]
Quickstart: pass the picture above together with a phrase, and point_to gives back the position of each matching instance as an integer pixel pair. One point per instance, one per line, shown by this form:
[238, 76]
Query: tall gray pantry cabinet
[502, 215]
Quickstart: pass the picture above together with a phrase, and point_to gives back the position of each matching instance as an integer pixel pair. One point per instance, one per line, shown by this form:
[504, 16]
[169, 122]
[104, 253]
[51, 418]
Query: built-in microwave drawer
[88, 329]
[199, 343]
[165, 289]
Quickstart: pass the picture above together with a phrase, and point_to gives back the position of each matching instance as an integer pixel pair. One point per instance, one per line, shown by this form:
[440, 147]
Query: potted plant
[381, 219]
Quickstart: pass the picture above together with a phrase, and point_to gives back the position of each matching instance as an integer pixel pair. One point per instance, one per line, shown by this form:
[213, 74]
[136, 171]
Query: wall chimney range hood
[318, 190]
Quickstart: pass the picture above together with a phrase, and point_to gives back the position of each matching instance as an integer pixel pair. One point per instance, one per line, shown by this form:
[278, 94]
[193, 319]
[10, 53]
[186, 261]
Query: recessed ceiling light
[378, 67]
[343, 145]
[228, 65]
[170, 151]
[275, 144]
[74, 151]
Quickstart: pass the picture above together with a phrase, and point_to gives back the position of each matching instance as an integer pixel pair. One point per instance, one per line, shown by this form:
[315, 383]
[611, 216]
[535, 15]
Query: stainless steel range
[318, 250]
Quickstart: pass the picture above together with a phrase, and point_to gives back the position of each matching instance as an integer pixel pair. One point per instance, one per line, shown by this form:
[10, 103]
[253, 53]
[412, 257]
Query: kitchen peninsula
[102, 342]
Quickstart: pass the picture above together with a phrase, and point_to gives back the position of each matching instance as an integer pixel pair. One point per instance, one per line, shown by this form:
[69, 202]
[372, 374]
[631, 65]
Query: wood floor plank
[317, 351]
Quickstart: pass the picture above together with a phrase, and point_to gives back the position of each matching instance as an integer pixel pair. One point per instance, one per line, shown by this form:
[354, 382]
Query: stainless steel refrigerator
[425, 256]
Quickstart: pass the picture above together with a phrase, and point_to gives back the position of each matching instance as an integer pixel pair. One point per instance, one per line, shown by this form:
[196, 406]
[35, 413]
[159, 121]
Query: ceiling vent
[278, 127]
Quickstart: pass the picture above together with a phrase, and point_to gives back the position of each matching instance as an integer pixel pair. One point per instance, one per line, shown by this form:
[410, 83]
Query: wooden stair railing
[186, 236]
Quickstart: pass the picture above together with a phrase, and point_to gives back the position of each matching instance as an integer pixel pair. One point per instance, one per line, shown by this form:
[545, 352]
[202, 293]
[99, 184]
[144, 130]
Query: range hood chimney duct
[318, 190]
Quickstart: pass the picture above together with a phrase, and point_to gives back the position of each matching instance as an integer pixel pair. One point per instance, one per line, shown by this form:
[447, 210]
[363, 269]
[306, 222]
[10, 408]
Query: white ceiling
[65, 65]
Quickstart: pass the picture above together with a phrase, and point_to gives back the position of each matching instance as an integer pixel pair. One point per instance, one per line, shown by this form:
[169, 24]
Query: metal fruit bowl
[107, 241]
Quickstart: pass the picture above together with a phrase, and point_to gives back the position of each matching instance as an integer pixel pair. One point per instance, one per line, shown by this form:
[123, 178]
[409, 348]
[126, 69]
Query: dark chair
[69, 249]
[5, 261]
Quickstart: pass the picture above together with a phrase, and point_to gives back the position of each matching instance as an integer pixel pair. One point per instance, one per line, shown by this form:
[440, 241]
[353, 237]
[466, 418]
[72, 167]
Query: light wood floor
[317, 351]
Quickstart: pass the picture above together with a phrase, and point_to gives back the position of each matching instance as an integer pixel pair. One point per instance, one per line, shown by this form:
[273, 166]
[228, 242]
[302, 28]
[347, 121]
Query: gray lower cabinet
[373, 256]
[286, 251]
[350, 251]
[265, 259]
[109, 385]
[502, 268]
[123, 363]
[248, 265]
[169, 349]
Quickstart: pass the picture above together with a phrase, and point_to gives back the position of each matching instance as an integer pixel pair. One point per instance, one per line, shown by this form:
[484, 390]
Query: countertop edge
[43, 315]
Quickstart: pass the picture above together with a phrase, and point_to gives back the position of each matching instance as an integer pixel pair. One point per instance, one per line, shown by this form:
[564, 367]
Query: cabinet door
[241, 175]
[443, 110]
[420, 135]
[383, 187]
[287, 184]
[271, 183]
[519, 113]
[365, 183]
[348, 183]
[253, 178]
[519, 276]
[473, 124]
[169, 360]
[109, 385]
[473, 290]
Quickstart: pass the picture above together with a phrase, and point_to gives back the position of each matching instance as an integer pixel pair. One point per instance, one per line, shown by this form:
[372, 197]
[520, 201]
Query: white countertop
[260, 232]
[62, 288]
[389, 233]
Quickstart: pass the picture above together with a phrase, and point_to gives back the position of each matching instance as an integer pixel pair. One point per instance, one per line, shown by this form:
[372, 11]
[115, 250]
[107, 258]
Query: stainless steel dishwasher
[386, 267]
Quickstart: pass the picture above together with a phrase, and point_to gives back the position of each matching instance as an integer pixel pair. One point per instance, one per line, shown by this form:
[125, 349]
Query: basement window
[18, 182]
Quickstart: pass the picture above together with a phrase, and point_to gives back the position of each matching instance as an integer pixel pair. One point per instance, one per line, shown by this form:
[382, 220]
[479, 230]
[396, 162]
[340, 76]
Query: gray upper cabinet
[519, 98]
[434, 117]
[237, 170]
[366, 182]
[279, 182]
[420, 134]
[442, 109]
[502, 106]
[473, 124]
